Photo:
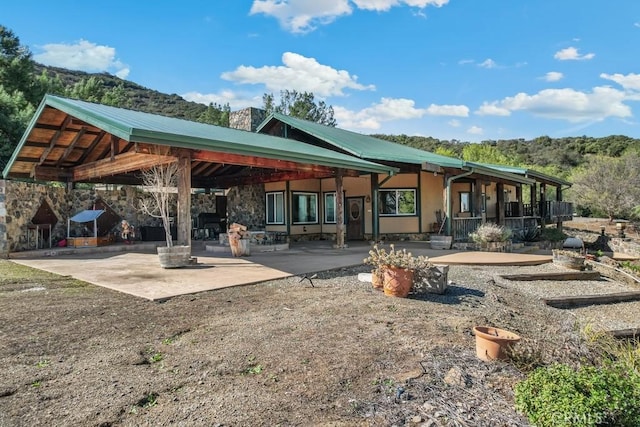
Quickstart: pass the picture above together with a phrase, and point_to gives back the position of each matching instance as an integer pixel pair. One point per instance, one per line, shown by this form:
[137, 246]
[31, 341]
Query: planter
[492, 343]
[432, 280]
[174, 257]
[567, 261]
[377, 278]
[494, 246]
[240, 247]
[440, 242]
[397, 281]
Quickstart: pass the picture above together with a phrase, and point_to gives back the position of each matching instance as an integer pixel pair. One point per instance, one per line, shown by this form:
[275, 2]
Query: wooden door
[355, 223]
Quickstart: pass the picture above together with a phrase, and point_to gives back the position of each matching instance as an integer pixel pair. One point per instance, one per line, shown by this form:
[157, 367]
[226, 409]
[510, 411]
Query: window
[465, 201]
[275, 208]
[330, 208]
[397, 202]
[304, 209]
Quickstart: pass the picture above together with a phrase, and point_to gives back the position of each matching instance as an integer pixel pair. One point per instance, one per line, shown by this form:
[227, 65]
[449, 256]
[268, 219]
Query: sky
[467, 70]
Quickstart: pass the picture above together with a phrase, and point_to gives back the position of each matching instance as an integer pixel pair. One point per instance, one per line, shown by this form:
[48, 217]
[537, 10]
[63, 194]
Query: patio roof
[538, 176]
[77, 141]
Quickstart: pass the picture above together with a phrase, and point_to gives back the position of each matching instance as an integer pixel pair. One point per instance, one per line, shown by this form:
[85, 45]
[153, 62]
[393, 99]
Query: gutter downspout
[449, 204]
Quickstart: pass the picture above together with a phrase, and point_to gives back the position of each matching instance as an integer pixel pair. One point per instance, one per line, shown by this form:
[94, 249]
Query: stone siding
[19, 202]
[246, 205]
[625, 246]
[247, 119]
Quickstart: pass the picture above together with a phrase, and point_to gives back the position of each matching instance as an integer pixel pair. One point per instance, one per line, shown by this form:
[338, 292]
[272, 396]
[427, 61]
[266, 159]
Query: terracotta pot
[377, 278]
[397, 281]
[492, 343]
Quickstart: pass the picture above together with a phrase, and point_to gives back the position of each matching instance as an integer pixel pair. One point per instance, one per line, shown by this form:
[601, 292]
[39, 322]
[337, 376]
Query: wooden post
[375, 216]
[559, 199]
[184, 199]
[500, 203]
[519, 198]
[477, 197]
[543, 203]
[339, 210]
[534, 200]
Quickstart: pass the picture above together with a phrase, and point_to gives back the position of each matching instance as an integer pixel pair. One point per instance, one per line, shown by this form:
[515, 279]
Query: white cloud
[466, 61]
[492, 109]
[475, 130]
[488, 63]
[448, 110]
[636, 24]
[566, 104]
[303, 16]
[235, 100]
[454, 123]
[84, 56]
[389, 109]
[629, 82]
[553, 76]
[299, 73]
[571, 53]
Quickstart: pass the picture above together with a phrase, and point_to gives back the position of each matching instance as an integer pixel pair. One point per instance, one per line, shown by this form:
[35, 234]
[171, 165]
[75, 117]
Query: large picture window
[397, 202]
[304, 208]
[275, 208]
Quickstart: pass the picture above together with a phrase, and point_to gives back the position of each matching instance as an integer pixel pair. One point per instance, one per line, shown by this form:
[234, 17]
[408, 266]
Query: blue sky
[469, 70]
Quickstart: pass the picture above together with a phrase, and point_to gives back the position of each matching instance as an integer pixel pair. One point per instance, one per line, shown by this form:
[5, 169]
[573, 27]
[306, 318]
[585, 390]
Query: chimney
[247, 119]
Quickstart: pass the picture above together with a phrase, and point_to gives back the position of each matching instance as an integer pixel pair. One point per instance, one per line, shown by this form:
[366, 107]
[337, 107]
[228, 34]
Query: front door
[354, 213]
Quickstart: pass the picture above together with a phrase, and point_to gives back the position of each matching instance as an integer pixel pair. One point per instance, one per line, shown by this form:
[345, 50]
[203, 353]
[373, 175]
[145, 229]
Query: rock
[456, 377]
[416, 419]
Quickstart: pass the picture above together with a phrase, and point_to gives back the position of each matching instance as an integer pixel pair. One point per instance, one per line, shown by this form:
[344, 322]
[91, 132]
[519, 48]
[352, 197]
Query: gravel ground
[284, 352]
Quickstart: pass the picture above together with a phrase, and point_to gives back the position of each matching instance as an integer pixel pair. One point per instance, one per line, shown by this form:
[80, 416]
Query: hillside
[139, 97]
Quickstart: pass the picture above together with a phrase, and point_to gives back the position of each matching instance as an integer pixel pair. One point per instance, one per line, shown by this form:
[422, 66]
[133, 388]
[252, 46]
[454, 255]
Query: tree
[301, 105]
[215, 115]
[609, 185]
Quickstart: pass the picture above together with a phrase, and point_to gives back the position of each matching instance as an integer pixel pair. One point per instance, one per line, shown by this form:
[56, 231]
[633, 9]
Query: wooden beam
[573, 301]
[93, 145]
[49, 173]
[259, 178]
[561, 275]
[184, 199]
[69, 149]
[339, 211]
[121, 163]
[54, 139]
[242, 160]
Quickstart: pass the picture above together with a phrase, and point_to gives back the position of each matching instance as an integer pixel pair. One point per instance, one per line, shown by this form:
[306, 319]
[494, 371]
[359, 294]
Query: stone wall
[247, 119]
[19, 202]
[625, 246]
[246, 205]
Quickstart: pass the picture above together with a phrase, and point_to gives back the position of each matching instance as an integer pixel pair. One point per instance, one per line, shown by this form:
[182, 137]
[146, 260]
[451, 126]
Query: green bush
[552, 234]
[559, 395]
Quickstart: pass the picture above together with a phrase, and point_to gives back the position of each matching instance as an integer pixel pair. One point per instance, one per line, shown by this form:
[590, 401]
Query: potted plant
[569, 259]
[398, 272]
[160, 181]
[492, 238]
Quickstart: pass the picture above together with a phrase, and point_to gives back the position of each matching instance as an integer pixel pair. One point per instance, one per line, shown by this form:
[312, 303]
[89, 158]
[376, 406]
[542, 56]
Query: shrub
[559, 395]
[530, 234]
[552, 234]
[490, 232]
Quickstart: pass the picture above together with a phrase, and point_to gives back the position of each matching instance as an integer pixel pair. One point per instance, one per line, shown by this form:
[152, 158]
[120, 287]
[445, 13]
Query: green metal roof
[528, 173]
[368, 147]
[364, 146]
[136, 126]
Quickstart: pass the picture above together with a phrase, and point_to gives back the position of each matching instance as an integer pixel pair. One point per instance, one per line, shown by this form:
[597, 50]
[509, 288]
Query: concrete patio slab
[135, 269]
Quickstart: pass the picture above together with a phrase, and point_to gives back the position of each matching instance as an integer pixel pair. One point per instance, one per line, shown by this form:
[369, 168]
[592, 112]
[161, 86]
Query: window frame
[275, 206]
[397, 191]
[293, 210]
[335, 213]
[469, 207]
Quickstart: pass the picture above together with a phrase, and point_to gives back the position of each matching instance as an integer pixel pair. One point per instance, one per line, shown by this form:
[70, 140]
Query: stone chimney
[247, 118]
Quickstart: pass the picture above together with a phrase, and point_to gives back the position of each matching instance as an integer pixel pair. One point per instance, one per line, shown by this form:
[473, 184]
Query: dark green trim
[287, 207]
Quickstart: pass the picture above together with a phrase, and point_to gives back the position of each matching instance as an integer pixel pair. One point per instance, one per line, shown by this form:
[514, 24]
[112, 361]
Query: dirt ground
[337, 353]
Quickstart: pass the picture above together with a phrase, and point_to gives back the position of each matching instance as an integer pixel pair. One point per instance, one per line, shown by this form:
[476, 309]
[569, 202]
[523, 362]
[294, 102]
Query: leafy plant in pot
[160, 182]
[492, 237]
[395, 270]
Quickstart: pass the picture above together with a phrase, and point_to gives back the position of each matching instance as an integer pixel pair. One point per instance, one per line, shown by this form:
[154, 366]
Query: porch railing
[555, 211]
[512, 209]
[462, 227]
[520, 224]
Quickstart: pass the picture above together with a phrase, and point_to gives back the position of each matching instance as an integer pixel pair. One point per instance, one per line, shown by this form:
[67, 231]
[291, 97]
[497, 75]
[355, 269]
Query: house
[283, 177]
[430, 193]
